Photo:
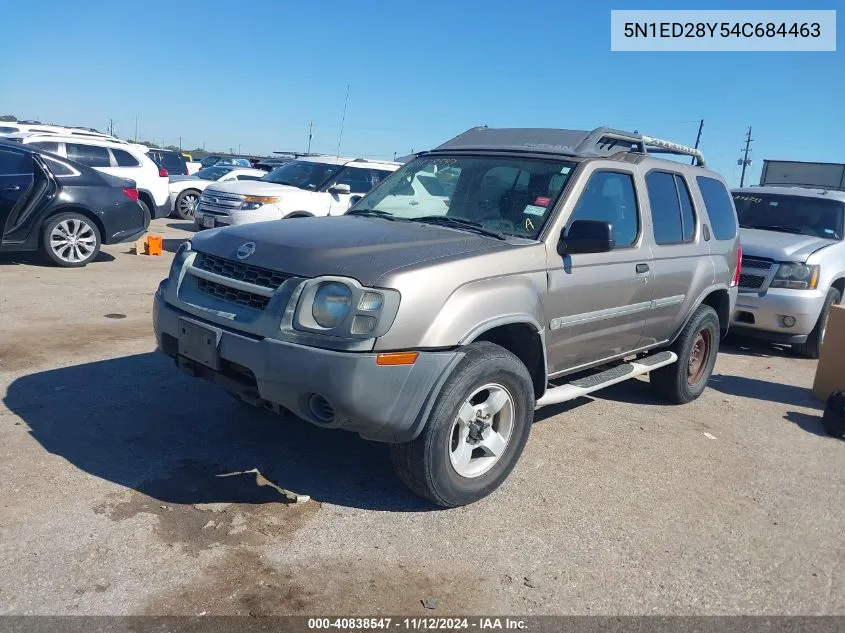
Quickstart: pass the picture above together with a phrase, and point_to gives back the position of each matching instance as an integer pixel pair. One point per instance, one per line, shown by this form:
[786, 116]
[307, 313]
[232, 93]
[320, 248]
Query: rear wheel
[70, 240]
[186, 203]
[475, 432]
[813, 346]
[696, 347]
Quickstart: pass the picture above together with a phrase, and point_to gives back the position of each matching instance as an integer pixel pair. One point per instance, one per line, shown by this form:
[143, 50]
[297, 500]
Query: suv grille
[240, 271]
[232, 295]
[755, 273]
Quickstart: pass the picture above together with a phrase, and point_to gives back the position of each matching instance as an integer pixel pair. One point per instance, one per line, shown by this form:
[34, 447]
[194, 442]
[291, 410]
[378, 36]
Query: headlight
[796, 276]
[255, 202]
[331, 304]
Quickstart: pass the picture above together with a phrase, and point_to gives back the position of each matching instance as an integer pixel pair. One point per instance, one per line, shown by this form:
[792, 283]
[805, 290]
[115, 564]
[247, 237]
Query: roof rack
[602, 141]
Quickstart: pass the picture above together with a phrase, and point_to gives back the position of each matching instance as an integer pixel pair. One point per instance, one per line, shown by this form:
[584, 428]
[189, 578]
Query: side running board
[594, 382]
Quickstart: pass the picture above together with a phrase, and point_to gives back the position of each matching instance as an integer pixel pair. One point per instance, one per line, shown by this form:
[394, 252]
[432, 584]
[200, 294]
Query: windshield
[303, 174]
[208, 161]
[213, 173]
[504, 194]
[804, 215]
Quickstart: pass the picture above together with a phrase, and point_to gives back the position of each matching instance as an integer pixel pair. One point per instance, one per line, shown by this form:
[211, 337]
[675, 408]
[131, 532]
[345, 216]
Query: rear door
[16, 178]
[681, 262]
[597, 303]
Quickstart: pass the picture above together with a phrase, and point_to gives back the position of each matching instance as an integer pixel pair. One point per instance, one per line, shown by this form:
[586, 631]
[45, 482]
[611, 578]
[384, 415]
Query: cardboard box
[830, 373]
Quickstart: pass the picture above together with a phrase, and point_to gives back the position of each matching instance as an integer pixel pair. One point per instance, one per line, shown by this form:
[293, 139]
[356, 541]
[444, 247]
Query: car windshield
[510, 195]
[303, 174]
[804, 215]
[213, 173]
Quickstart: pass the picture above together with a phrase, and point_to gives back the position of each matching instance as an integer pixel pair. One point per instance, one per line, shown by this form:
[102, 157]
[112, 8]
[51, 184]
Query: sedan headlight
[342, 307]
[796, 276]
[332, 302]
[251, 203]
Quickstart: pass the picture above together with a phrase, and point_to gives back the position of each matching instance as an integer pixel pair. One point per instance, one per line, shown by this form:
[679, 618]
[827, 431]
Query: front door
[16, 177]
[598, 303]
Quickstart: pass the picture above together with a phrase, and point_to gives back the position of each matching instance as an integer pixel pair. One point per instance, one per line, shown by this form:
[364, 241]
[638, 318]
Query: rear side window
[172, 162]
[90, 155]
[673, 219]
[59, 169]
[15, 163]
[8, 130]
[124, 158]
[719, 207]
[46, 146]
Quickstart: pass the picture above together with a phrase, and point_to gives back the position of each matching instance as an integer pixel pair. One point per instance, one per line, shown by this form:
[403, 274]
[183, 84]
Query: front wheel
[70, 240]
[476, 430]
[813, 346]
[696, 348]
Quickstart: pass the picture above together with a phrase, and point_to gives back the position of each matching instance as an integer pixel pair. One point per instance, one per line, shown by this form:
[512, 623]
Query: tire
[70, 240]
[185, 204]
[451, 462]
[697, 348]
[148, 212]
[813, 346]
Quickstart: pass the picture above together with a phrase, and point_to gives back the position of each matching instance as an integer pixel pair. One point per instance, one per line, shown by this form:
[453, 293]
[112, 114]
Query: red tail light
[162, 172]
[735, 281]
[131, 193]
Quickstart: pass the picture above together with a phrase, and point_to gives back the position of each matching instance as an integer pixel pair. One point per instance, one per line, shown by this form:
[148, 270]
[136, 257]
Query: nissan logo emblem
[245, 250]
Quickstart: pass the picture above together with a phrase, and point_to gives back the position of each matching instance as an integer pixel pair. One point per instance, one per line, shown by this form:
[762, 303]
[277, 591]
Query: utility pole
[744, 160]
[111, 127]
[136, 129]
[180, 143]
[697, 138]
[310, 134]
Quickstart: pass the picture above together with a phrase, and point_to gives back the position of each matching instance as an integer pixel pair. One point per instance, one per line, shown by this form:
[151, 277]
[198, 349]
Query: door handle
[642, 268]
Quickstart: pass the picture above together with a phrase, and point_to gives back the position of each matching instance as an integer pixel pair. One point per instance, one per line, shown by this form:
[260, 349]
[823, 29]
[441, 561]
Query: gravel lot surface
[127, 487]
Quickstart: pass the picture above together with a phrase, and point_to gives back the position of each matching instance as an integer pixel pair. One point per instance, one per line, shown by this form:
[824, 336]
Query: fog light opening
[321, 409]
[788, 321]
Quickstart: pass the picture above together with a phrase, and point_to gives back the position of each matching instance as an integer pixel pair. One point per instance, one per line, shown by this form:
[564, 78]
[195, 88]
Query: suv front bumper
[762, 316]
[380, 403]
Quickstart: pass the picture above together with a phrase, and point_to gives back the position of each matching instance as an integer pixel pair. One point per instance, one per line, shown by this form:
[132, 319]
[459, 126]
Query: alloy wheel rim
[699, 357]
[188, 204]
[481, 431]
[73, 240]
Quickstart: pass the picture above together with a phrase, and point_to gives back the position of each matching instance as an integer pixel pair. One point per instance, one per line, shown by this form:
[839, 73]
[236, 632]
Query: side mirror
[340, 189]
[586, 236]
[355, 199]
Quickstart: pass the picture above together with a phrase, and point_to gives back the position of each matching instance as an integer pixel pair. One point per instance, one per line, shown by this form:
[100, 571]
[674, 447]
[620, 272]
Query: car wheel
[476, 430]
[148, 213]
[813, 346]
[70, 240]
[696, 347]
[186, 203]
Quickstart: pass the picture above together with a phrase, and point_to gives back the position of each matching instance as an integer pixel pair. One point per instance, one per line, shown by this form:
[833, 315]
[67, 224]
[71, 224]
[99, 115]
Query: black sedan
[63, 209]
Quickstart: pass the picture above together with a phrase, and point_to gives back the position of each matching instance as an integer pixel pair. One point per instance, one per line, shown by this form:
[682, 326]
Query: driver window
[609, 196]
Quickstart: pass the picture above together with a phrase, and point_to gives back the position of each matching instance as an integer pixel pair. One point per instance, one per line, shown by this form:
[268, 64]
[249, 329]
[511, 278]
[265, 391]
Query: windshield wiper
[458, 223]
[373, 213]
[776, 227]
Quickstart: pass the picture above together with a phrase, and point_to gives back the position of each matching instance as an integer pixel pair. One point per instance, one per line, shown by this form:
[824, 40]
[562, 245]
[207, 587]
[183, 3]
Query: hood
[255, 188]
[783, 247]
[358, 247]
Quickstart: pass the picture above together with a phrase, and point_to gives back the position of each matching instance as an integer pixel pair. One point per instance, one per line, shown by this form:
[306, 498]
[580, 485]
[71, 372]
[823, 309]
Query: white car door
[359, 180]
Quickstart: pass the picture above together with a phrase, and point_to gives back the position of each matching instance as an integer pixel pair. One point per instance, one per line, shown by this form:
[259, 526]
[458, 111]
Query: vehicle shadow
[138, 422]
[171, 245]
[757, 389]
[181, 226]
[36, 259]
[810, 423]
[737, 345]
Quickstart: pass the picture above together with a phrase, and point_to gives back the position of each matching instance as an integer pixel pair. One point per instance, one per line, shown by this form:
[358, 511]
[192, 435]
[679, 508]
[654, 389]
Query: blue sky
[252, 74]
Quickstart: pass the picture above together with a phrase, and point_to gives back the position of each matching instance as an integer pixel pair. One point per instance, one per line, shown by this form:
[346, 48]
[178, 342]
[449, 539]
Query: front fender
[478, 306]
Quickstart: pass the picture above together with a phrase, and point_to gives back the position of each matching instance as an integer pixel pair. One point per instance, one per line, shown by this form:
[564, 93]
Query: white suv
[311, 186]
[117, 158]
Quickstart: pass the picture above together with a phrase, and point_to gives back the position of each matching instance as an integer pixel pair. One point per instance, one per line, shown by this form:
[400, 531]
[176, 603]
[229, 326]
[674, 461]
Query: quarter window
[90, 155]
[609, 197]
[720, 207]
[124, 158]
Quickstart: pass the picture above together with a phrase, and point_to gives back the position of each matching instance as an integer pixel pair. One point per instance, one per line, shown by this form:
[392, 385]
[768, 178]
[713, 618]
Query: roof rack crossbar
[659, 146]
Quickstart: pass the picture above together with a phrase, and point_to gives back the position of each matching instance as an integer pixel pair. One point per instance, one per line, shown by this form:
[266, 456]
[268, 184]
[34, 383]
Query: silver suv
[506, 270]
[793, 259]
